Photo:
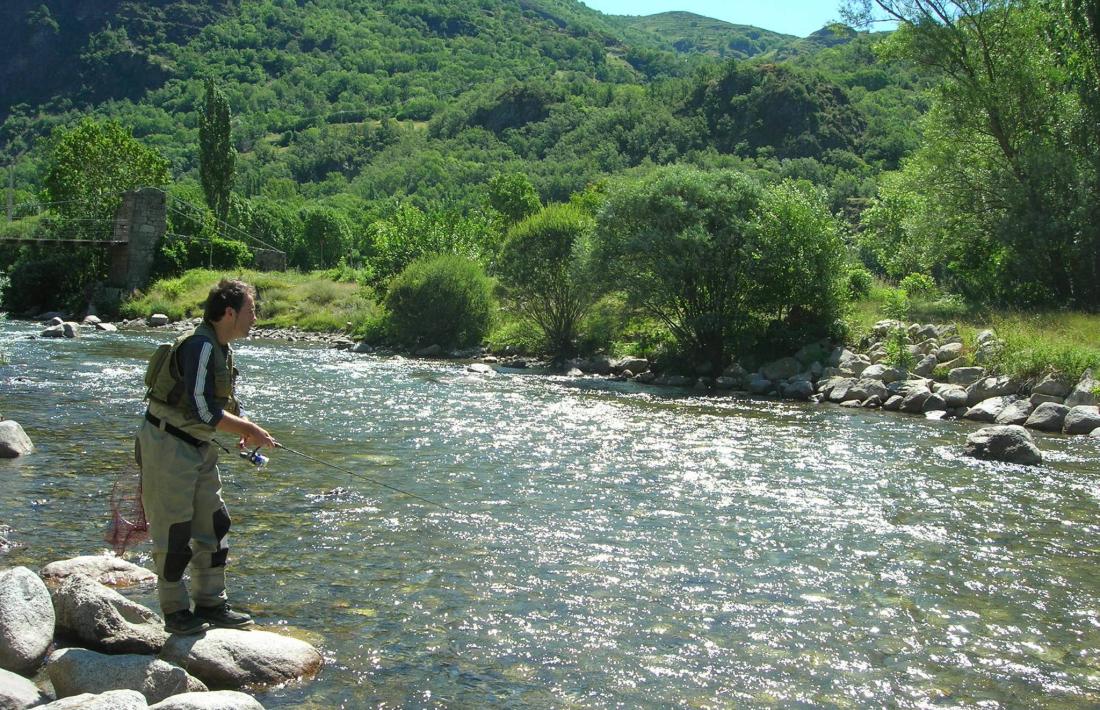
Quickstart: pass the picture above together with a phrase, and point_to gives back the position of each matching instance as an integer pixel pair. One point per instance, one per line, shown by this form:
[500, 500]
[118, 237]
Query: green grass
[308, 301]
[1034, 343]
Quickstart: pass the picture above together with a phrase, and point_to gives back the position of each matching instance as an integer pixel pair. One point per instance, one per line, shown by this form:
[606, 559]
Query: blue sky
[793, 17]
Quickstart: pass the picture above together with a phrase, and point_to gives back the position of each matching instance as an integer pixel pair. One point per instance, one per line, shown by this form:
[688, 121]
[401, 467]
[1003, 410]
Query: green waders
[188, 521]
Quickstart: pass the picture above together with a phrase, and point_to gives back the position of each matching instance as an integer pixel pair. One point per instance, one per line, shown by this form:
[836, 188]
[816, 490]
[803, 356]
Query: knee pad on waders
[179, 551]
[221, 529]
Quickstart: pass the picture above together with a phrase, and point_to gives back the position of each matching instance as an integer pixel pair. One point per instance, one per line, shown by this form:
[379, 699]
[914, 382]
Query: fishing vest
[166, 385]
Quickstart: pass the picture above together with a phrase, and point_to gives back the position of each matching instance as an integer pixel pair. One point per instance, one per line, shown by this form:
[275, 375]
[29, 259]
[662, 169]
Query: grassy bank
[1034, 343]
[314, 301]
[328, 301]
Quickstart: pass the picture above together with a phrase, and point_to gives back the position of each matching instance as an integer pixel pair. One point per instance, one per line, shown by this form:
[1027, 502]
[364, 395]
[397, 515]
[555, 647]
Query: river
[617, 545]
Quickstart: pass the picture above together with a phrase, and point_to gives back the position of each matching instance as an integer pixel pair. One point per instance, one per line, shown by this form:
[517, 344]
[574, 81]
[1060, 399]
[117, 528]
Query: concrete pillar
[140, 224]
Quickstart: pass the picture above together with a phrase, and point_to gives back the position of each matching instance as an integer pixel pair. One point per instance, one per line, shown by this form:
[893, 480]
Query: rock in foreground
[229, 658]
[14, 441]
[217, 700]
[74, 671]
[101, 618]
[26, 620]
[105, 569]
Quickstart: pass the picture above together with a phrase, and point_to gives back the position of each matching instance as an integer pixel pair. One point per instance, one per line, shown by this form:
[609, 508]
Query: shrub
[860, 282]
[919, 286]
[444, 300]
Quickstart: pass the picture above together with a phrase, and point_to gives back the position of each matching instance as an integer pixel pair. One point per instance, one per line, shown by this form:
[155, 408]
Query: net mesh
[128, 526]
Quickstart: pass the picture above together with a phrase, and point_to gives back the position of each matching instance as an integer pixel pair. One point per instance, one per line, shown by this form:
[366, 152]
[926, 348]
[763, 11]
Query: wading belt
[173, 430]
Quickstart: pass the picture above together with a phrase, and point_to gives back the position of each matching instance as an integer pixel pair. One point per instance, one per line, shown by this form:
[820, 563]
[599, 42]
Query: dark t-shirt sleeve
[195, 361]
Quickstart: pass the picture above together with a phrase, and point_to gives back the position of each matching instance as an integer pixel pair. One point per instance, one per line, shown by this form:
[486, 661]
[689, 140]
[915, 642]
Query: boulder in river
[77, 670]
[26, 620]
[1010, 443]
[1048, 416]
[1084, 392]
[214, 700]
[231, 658]
[111, 700]
[989, 387]
[105, 569]
[965, 376]
[14, 442]
[1017, 412]
[102, 619]
[16, 692]
[1082, 419]
[158, 319]
[988, 410]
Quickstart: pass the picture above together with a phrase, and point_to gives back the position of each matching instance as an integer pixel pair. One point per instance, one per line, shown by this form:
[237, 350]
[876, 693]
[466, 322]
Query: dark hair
[227, 294]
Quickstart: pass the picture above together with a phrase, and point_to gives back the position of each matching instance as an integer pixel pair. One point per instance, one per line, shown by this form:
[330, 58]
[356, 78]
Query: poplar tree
[217, 157]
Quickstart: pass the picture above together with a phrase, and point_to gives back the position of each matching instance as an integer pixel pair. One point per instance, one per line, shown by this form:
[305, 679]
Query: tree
[440, 300]
[513, 196]
[544, 265]
[217, 156]
[92, 164]
[718, 259]
[326, 238]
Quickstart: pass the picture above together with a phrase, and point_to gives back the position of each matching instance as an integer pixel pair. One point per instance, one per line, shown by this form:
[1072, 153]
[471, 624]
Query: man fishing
[191, 395]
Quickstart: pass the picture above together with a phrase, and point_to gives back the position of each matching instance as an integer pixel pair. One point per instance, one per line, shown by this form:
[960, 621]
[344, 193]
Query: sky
[793, 17]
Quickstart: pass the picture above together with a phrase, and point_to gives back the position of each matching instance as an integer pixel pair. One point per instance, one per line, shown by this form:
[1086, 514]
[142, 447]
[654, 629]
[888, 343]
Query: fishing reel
[254, 457]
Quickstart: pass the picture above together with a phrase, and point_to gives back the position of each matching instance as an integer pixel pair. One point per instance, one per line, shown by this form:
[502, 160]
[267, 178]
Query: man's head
[231, 308]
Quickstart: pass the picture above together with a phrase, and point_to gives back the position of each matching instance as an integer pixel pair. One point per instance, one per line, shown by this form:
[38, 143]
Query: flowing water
[618, 546]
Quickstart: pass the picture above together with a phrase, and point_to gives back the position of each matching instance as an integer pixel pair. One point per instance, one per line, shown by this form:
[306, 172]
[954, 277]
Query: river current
[616, 546]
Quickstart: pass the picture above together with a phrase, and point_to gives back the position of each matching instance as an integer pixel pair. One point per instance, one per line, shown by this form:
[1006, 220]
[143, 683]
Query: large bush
[442, 300]
[545, 267]
[723, 262]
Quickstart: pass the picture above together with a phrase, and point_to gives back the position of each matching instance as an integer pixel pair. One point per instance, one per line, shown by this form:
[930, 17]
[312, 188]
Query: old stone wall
[139, 226]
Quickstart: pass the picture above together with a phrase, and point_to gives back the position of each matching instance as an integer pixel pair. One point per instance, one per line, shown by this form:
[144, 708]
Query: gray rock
[989, 409]
[1083, 392]
[1055, 385]
[928, 331]
[342, 344]
[799, 389]
[946, 331]
[840, 389]
[1015, 413]
[926, 366]
[598, 365]
[725, 383]
[1095, 434]
[229, 658]
[483, 369]
[158, 319]
[928, 347]
[103, 619]
[893, 404]
[91, 319]
[634, 364]
[883, 327]
[362, 347]
[758, 384]
[913, 403]
[573, 372]
[954, 397]
[111, 700]
[986, 336]
[934, 403]
[883, 373]
[825, 386]
[107, 327]
[54, 331]
[77, 670]
[853, 365]
[105, 569]
[735, 371]
[16, 692]
[812, 352]
[851, 403]
[1009, 443]
[1082, 419]
[646, 378]
[1037, 399]
[52, 319]
[873, 402]
[70, 330]
[26, 620]
[781, 369]
[989, 387]
[965, 376]
[433, 350]
[14, 442]
[949, 352]
[865, 388]
[1048, 416]
[215, 700]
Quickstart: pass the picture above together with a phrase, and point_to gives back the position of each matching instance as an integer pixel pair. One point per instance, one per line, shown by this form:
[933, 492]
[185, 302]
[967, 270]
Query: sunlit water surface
[617, 546]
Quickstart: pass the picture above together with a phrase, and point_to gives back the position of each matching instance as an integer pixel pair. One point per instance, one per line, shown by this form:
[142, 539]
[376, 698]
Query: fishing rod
[260, 459]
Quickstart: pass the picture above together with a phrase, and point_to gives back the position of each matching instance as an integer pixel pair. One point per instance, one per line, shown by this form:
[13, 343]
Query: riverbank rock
[14, 442]
[989, 409]
[913, 402]
[1010, 443]
[26, 620]
[965, 376]
[102, 619]
[214, 700]
[1016, 412]
[1082, 419]
[480, 369]
[883, 373]
[16, 692]
[1053, 385]
[230, 658]
[989, 387]
[781, 369]
[74, 671]
[112, 700]
[1049, 416]
[158, 319]
[105, 569]
[107, 327]
[1084, 392]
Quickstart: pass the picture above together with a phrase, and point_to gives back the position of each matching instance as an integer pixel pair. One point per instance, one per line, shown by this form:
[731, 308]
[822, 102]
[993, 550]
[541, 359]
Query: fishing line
[369, 479]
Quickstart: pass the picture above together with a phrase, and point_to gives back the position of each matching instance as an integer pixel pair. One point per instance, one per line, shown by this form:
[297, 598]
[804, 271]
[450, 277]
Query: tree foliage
[440, 300]
[545, 264]
[217, 156]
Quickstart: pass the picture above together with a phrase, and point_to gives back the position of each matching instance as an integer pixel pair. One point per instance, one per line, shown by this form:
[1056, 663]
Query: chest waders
[180, 482]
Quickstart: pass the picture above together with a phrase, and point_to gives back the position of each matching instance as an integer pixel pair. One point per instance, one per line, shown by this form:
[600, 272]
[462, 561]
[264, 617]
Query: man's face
[243, 319]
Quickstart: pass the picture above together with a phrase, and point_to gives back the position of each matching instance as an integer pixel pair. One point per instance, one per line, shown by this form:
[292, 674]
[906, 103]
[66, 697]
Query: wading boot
[185, 623]
[223, 616]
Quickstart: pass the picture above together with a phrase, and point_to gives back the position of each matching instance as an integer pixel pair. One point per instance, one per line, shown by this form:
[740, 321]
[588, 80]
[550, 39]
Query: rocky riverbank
[69, 640]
